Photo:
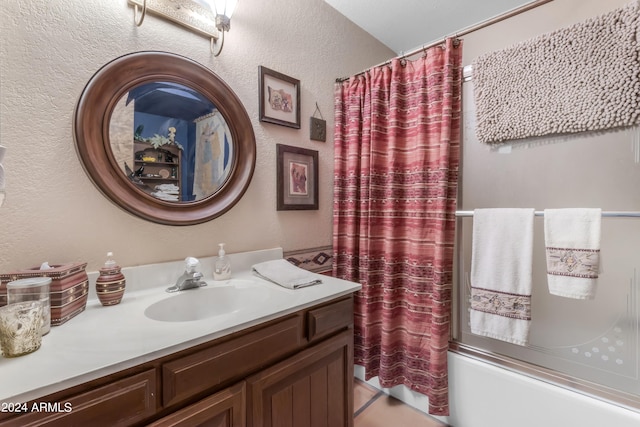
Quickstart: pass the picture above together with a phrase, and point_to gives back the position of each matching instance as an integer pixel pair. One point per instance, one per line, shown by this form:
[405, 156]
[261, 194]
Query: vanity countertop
[105, 340]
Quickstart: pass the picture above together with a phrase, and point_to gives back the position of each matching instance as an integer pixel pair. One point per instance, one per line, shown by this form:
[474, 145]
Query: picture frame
[279, 98]
[297, 178]
[317, 129]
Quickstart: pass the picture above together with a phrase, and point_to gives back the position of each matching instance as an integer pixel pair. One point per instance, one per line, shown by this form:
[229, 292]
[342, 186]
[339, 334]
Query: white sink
[209, 301]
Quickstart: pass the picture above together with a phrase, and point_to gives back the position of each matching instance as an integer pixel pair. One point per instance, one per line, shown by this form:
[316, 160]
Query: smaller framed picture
[279, 98]
[317, 129]
[297, 178]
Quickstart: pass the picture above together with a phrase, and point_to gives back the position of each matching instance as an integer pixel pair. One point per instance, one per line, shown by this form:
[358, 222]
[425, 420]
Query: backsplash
[317, 260]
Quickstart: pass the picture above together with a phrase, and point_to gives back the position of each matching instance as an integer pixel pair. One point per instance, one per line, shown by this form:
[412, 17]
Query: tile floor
[373, 408]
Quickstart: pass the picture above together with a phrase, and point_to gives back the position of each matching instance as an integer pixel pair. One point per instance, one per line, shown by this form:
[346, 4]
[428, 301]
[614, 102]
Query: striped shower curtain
[397, 141]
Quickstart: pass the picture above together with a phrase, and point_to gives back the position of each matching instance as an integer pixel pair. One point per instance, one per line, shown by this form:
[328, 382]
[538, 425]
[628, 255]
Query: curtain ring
[137, 21]
[403, 60]
[456, 40]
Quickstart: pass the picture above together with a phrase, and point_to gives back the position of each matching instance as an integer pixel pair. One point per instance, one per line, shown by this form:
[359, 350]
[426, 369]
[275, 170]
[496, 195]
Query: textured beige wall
[50, 49]
[592, 169]
[542, 19]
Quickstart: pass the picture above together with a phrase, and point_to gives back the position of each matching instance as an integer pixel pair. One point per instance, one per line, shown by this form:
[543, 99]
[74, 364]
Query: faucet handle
[191, 264]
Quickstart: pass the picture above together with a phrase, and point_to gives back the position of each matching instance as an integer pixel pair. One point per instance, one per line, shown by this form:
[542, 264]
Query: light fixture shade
[224, 7]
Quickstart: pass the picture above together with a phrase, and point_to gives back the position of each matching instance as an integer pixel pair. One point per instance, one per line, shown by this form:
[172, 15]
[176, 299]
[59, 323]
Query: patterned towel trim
[582, 263]
[504, 304]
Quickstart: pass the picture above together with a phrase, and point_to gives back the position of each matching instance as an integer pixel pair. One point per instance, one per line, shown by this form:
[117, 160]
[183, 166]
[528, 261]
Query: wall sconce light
[223, 9]
[211, 18]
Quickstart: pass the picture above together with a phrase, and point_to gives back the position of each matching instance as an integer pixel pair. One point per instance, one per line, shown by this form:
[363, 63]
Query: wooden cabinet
[329, 318]
[122, 402]
[226, 408]
[229, 361]
[158, 166]
[295, 371]
[310, 389]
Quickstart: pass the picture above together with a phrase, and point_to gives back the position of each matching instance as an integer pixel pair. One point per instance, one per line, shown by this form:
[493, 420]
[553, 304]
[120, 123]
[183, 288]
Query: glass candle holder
[32, 289]
[20, 328]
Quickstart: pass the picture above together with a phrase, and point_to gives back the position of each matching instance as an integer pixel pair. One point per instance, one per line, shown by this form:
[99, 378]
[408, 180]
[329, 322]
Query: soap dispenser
[111, 282]
[222, 266]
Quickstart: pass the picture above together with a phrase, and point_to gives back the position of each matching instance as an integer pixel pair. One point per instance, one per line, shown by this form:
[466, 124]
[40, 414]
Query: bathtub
[484, 395]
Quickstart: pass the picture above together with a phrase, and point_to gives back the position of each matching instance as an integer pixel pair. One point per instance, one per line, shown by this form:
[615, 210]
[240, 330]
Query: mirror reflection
[171, 142]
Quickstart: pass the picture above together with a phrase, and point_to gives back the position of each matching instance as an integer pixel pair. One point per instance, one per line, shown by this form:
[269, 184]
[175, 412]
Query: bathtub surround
[584, 77]
[572, 240]
[547, 175]
[501, 274]
[396, 168]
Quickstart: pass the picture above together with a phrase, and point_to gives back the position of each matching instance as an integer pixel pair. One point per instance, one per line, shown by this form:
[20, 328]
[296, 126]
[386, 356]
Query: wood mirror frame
[91, 131]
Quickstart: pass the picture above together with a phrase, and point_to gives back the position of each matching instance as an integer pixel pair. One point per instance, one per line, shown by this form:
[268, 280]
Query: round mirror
[181, 149]
[164, 138]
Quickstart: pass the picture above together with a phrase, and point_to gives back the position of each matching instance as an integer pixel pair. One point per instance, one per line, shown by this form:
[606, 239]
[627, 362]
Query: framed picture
[297, 178]
[279, 98]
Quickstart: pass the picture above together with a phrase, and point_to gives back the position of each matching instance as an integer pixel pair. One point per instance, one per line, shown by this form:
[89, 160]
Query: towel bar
[608, 214]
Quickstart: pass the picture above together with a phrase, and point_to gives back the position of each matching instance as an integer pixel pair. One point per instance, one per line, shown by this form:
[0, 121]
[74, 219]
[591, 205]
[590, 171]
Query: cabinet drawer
[330, 318]
[123, 402]
[206, 369]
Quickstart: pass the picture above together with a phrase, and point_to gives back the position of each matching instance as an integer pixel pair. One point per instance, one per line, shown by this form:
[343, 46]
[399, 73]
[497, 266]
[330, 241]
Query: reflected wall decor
[214, 155]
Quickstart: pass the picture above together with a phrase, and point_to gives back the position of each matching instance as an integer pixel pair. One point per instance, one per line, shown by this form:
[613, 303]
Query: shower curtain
[397, 140]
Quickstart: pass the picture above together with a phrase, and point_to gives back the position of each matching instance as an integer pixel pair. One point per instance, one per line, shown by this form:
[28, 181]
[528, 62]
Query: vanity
[284, 357]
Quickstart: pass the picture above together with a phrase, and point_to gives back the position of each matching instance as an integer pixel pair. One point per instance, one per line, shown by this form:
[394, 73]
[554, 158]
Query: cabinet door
[121, 403]
[223, 409]
[311, 389]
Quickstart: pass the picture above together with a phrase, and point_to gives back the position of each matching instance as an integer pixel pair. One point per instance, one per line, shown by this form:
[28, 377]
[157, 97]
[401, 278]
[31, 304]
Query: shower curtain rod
[461, 33]
[608, 214]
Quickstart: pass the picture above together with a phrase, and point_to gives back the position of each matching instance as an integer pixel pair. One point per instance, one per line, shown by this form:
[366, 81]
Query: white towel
[283, 273]
[501, 274]
[572, 240]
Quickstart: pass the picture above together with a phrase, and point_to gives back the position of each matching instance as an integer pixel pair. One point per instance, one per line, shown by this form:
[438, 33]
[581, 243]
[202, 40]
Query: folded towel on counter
[572, 240]
[501, 274]
[285, 274]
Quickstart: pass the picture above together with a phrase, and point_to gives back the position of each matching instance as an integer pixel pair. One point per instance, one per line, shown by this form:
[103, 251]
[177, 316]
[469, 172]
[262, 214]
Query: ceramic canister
[110, 285]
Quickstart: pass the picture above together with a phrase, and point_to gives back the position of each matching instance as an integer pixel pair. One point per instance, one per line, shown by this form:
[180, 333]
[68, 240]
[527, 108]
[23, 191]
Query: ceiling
[405, 25]
[169, 99]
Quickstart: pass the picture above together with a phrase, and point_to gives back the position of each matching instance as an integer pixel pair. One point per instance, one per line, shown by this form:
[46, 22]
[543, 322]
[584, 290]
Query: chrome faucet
[190, 279]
